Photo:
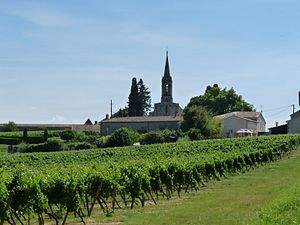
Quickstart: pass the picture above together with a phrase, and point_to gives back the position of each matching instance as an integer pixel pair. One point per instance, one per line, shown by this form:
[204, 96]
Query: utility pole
[111, 108]
[293, 106]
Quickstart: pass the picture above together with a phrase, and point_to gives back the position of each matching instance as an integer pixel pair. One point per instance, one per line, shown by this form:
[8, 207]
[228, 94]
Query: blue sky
[62, 61]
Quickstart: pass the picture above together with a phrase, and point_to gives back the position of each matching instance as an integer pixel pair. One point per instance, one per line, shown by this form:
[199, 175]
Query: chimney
[106, 116]
[276, 124]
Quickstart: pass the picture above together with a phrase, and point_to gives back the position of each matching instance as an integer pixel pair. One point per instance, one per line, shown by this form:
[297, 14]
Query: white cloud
[44, 18]
[58, 119]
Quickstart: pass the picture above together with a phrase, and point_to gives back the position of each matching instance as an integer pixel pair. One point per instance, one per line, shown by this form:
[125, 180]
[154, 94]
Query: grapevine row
[54, 191]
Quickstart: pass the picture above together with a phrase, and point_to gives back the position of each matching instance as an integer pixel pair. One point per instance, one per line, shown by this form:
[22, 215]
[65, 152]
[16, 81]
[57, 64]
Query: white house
[235, 121]
[294, 123]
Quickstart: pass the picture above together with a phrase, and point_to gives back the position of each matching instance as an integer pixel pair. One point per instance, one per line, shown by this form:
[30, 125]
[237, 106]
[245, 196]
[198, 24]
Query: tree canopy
[10, 127]
[219, 101]
[197, 117]
[139, 100]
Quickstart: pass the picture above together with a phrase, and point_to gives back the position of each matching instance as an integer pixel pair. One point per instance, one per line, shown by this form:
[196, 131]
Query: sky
[63, 61]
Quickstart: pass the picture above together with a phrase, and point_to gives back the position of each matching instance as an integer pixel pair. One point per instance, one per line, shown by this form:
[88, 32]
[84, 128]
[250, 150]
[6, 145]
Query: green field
[63, 184]
[236, 200]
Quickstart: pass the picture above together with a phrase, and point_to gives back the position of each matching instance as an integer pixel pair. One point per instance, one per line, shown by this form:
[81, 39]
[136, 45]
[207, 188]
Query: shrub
[169, 135]
[152, 138]
[123, 137]
[10, 140]
[52, 145]
[195, 134]
[67, 135]
[102, 141]
[79, 146]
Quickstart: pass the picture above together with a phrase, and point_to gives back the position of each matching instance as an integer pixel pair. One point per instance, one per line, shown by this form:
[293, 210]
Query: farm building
[294, 123]
[235, 121]
[140, 123]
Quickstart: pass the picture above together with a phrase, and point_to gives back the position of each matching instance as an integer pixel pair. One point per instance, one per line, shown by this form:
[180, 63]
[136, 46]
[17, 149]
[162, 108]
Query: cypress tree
[45, 136]
[139, 99]
[25, 135]
[133, 98]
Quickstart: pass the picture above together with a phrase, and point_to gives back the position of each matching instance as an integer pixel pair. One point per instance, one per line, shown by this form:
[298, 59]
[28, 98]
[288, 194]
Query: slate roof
[142, 119]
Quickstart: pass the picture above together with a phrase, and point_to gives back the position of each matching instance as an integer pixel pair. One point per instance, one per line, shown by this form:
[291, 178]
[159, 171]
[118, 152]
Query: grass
[235, 200]
[284, 211]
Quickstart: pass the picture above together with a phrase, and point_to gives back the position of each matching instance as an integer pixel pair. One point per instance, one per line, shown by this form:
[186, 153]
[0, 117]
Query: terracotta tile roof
[245, 115]
[141, 119]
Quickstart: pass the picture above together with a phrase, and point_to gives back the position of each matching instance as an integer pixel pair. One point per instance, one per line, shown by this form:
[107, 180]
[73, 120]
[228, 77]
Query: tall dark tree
[219, 101]
[45, 135]
[139, 100]
[144, 102]
[133, 98]
[25, 135]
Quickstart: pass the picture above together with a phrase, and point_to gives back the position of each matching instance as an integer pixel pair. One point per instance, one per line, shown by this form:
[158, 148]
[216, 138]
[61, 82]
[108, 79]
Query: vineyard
[47, 187]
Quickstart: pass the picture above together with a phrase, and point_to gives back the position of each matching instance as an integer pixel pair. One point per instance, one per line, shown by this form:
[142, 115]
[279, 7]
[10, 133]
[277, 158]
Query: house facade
[140, 123]
[294, 123]
[235, 121]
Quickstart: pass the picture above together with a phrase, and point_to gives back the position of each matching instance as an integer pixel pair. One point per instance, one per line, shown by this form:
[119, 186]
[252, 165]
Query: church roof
[142, 119]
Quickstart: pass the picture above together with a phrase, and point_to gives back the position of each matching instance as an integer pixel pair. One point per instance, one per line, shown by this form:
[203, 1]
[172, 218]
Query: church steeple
[166, 86]
[167, 68]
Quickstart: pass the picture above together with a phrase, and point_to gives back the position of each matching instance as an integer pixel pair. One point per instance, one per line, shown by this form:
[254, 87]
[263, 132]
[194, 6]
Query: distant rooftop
[137, 119]
[246, 115]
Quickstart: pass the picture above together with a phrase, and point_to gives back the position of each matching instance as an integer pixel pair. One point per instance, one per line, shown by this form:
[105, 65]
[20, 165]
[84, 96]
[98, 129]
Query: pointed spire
[167, 68]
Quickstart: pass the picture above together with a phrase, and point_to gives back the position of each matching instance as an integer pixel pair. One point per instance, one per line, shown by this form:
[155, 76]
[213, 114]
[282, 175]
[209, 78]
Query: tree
[144, 100]
[121, 113]
[219, 101]
[197, 117]
[10, 127]
[45, 135]
[133, 98]
[139, 100]
[25, 135]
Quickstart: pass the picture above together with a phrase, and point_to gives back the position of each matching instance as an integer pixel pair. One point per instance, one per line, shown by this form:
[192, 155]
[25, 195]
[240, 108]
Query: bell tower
[166, 107]
[166, 83]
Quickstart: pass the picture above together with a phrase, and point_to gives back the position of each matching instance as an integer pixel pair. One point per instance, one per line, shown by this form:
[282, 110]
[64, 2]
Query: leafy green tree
[10, 127]
[144, 99]
[25, 135]
[139, 100]
[219, 101]
[199, 118]
[121, 113]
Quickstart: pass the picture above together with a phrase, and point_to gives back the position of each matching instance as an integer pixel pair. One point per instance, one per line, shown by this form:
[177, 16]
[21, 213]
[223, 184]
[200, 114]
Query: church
[166, 114]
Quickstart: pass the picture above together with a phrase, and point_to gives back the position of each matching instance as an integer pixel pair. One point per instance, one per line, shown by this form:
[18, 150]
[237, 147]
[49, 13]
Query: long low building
[87, 126]
[140, 123]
